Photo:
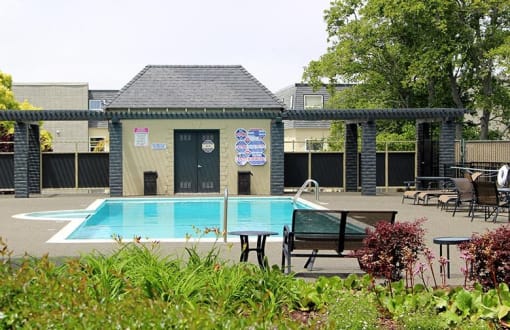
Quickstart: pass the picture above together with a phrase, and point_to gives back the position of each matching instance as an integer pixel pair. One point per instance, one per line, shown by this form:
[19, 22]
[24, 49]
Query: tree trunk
[484, 124]
[454, 88]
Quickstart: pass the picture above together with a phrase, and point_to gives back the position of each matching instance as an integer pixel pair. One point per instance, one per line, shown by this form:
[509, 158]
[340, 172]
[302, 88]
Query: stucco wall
[136, 160]
[68, 136]
[295, 138]
[100, 132]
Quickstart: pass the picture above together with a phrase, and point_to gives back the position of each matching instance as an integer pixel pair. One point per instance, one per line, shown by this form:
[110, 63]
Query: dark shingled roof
[194, 87]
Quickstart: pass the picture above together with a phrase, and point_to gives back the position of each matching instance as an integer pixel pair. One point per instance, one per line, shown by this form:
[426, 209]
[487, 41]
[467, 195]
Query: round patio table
[245, 244]
[449, 240]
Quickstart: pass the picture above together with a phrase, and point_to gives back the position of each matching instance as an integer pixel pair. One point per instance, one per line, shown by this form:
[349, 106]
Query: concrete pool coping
[30, 237]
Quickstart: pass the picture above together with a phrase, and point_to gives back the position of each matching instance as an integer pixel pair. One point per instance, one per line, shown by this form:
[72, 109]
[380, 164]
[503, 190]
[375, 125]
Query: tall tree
[417, 53]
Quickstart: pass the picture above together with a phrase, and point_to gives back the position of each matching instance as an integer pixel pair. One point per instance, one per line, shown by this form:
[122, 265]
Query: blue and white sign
[241, 159]
[257, 159]
[257, 146]
[241, 134]
[250, 146]
[241, 147]
[256, 133]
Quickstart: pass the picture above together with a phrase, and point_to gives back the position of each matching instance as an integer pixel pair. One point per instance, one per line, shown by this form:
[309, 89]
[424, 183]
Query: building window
[291, 102]
[313, 102]
[97, 144]
[96, 105]
[314, 145]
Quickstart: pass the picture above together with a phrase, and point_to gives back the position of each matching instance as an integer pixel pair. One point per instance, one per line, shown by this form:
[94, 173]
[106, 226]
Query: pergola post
[351, 156]
[368, 159]
[21, 147]
[34, 159]
[424, 160]
[446, 146]
[115, 174]
[277, 157]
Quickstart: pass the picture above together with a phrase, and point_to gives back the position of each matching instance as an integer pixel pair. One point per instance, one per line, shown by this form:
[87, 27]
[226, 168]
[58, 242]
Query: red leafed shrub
[489, 257]
[390, 247]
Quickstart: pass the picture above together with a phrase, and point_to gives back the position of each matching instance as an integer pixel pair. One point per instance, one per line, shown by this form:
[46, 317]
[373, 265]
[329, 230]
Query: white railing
[304, 186]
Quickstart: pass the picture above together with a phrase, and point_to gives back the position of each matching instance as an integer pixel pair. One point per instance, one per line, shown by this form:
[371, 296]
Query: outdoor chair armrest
[288, 237]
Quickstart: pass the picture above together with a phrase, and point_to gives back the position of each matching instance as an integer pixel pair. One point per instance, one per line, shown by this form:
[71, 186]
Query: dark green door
[197, 161]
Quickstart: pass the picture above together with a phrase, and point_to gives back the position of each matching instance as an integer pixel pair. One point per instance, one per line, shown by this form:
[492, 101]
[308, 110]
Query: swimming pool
[171, 219]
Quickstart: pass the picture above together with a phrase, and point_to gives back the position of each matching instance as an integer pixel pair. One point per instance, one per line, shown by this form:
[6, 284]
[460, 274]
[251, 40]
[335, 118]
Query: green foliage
[396, 135]
[135, 287]
[391, 136]
[419, 54]
[7, 100]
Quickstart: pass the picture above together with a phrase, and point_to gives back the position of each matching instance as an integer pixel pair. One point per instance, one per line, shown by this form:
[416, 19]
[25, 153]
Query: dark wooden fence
[6, 171]
[70, 170]
[327, 168]
[62, 170]
[90, 170]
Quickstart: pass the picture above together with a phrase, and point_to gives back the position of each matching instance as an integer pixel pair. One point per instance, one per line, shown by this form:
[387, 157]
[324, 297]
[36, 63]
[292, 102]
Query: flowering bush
[390, 247]
[489, 257]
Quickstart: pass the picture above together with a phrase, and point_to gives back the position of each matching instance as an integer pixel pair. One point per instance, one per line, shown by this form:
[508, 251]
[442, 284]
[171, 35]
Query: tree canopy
[8, 102]
[415, 53]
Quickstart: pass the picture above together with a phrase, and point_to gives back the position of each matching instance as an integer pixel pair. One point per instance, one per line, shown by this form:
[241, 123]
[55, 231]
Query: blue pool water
[178, 218]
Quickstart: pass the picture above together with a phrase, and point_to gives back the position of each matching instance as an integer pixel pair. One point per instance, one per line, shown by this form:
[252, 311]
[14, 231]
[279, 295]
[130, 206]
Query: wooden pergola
[26, 138]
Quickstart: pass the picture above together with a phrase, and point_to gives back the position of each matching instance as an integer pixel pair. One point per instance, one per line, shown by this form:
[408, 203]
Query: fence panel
[295, 169]
[486, 151]
[400, 168]
[380, 169]
[58, 170]
[93, 170]
[7, 172]
[327, 169]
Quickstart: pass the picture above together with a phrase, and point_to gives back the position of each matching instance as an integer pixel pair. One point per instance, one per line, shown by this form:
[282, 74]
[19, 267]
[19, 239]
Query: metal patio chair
[487, 198]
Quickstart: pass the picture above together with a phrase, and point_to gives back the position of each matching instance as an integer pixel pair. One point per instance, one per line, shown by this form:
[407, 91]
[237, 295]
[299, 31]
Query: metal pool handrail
[303, 187]
[225, 212]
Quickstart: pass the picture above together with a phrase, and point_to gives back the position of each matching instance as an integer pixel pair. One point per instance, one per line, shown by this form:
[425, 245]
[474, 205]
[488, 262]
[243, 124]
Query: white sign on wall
[141, 137]
[158, 146]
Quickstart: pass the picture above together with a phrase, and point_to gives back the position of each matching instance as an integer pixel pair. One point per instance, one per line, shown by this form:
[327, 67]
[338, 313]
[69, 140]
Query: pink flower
[443, 261]
[466, 255]
[420, 268]
[429, 254]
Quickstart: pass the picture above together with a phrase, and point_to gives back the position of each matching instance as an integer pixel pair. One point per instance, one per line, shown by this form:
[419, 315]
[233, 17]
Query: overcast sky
[107, 42]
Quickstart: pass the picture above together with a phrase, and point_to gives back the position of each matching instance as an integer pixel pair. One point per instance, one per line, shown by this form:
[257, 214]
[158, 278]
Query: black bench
[333, 230]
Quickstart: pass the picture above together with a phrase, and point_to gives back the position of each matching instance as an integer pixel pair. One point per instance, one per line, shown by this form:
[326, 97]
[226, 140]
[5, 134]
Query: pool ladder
[225, 212]
[304, 186]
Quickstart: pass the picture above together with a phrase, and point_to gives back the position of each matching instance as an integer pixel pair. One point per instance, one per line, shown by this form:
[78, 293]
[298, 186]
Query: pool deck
[31, 236]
